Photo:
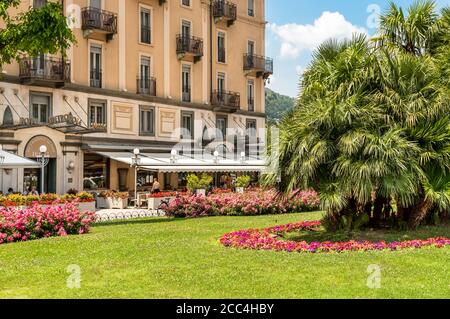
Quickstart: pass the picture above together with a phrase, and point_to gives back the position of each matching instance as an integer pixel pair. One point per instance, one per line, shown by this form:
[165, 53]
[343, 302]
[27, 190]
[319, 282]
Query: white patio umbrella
[11, 161]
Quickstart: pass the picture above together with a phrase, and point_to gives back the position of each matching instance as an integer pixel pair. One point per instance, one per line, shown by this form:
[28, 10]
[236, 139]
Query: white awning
[10, 161]
[186, 164]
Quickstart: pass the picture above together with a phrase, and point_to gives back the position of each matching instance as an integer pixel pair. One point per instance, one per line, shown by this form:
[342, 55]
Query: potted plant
[155, 200]
[199, 184]
[117, 200]
[242, 182]
[101, 200]
[86, 202]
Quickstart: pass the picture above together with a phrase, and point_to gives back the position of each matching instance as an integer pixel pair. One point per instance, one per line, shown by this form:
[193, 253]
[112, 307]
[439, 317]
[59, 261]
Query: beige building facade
[147, 74]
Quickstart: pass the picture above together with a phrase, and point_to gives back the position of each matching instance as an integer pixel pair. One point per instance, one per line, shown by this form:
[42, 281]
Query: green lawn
[163, 258]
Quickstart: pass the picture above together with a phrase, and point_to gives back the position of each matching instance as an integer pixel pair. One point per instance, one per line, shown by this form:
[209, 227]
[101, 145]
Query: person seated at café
[156, 188]
[33, 191]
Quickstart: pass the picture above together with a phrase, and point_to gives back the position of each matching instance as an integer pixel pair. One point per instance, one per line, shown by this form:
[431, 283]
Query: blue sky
[296, 27]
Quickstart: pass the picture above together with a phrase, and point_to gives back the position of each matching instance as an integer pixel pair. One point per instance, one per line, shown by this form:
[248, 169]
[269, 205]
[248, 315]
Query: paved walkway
[131, 213]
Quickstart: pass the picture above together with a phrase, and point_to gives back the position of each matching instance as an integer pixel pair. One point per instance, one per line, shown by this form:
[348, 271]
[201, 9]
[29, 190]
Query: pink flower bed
[38, 222]
[247, 204]
[269, 239]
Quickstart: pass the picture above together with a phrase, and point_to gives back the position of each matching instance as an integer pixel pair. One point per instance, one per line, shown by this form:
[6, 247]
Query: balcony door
[97, 4]
[96, 65]
[186, 34]
[186, 83]
[220, 87]
[145, 75]
[40, 107]
[38, 67]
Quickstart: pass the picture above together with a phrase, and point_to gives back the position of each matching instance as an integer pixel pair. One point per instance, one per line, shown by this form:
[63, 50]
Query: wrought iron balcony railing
[97, 19]
[225, 9]
[226, 99]
[189, 45]
[263, 66]
[44, 68]
[251, 104]
[146, 86]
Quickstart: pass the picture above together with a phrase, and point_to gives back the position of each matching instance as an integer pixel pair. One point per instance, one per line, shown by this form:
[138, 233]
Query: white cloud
[299, 69]
[297, 38]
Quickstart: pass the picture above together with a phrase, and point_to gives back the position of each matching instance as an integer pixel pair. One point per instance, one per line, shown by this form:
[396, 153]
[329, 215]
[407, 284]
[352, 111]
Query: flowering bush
[269, 239]
[15, 200]
[247, 204]
[166, 194]
[38, 222]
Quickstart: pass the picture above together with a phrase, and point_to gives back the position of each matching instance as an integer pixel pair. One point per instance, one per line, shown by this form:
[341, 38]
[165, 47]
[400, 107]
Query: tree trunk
[377, 210]
[419, 213]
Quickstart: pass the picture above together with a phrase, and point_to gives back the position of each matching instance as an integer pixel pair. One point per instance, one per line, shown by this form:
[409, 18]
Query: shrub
[243, 181]
[39, 222]
[15, 200]
[248, 204]
[194, 182]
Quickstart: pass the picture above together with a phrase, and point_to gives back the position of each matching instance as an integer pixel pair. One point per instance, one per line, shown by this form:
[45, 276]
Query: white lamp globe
[136, 151]
[43, 149]
[174, 153]
[242, 154]
[216, 154]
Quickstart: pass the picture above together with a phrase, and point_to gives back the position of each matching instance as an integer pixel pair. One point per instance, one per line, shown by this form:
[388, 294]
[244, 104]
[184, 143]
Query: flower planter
[240, 190]
[201, 192]
[86, 207]
[101, 203]
[154, 203]
[116, 203]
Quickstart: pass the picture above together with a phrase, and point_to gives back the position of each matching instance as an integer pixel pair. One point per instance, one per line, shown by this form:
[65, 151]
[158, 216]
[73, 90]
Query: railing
[256, 62]
[186, 95]
[96, 78]
[146, 34]
[251, 12]
[188, 44]
[94, 18]
[47, 68]
[146, 86]
[226, 98]
[222, 8]
[251, 104]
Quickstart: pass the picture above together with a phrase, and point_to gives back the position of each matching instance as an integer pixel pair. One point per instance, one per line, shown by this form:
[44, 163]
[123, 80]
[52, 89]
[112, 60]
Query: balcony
[224, 10]
[224, 101]
[146, 86]
[96, 78]
[98, 22]
[259, 66]
[44, 71]
[189, 48]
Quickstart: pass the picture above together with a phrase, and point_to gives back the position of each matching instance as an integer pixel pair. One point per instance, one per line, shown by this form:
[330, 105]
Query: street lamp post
[135, 162]
[43, 160]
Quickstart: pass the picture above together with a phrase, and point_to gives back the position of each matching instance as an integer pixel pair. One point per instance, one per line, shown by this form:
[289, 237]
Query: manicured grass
[161, 258]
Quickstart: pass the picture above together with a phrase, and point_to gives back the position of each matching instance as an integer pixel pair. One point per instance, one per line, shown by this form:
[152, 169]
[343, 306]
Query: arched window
[8, 117]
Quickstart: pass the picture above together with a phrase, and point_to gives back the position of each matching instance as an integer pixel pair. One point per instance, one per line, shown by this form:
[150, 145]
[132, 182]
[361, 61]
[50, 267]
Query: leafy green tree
[34, 32]
[371, 131]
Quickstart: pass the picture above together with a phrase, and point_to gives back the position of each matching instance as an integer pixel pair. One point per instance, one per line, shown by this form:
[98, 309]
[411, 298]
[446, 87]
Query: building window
[8, 117]
[186, 83]
[251, 8]
[251, 95]
[96, 66]
[39, 3]
[146, 36]
[97, 4]
[40, 107]
[147, 120]
[186, 3]
[145, 75]
[97, 113]
[95, 172]
[187, 125]
[251, 128]
[220, 82]
[221, 125]
[221, 51]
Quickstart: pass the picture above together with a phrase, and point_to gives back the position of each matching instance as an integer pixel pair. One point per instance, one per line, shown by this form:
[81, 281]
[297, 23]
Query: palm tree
[371, 128]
